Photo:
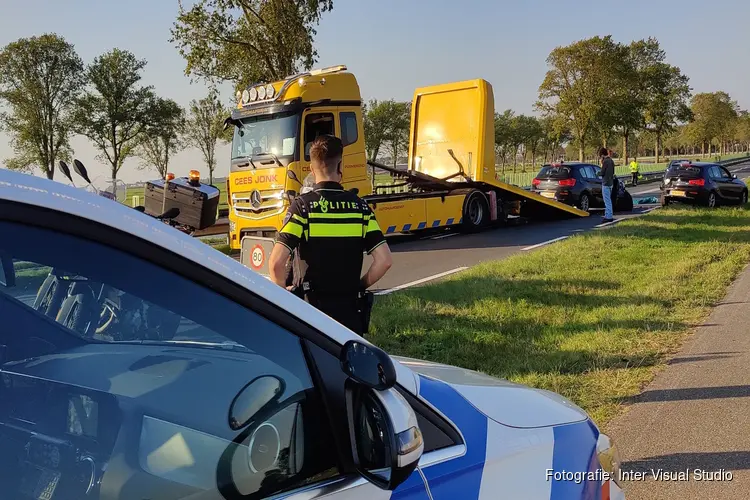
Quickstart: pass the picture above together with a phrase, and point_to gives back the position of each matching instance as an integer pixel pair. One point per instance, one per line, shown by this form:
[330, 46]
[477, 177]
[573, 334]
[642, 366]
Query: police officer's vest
[332, 228]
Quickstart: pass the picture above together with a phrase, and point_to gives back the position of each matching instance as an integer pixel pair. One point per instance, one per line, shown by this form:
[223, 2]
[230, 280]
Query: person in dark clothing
[331, 228]
[608, 174]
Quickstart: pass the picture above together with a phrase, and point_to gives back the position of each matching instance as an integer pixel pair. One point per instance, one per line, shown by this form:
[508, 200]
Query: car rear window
[685, 170]
[554, 172]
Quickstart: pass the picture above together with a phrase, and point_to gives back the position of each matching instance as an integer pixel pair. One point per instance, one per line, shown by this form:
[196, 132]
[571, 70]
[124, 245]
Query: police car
[137, 362]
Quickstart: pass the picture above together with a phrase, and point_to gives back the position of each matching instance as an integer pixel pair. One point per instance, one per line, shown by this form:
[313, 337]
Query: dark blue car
[708, 184]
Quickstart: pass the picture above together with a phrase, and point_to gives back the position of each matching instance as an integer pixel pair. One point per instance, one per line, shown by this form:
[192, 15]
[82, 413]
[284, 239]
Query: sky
[395, 46]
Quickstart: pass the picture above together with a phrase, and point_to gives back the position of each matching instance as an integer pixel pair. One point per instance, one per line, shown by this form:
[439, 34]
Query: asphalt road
[691, 422]
[417, 260]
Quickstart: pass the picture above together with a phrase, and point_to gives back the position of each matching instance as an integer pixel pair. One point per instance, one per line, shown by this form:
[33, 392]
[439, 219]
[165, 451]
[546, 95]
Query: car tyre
[743, 198]
[584, 202]
[712, 201]
[664, 201]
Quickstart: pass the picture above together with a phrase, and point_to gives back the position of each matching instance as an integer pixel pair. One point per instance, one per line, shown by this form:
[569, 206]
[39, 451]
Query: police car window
[317, 124]
[147, 349]
[349, 133]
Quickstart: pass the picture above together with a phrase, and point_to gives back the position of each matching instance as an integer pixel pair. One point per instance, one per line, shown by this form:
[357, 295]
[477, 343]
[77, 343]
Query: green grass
[29, 276]
[593, 317]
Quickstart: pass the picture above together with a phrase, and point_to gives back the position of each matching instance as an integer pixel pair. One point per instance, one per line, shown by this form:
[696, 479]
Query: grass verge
[592, 318]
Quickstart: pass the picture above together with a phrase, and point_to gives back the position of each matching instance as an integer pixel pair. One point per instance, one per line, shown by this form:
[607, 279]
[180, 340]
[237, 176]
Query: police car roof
[53, 195]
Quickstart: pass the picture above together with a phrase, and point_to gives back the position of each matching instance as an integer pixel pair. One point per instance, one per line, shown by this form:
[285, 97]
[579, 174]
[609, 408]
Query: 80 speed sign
[257, 257]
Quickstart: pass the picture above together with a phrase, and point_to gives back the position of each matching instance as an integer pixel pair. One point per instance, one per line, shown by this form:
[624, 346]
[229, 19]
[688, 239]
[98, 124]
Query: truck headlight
[609, 459]
[231, 226]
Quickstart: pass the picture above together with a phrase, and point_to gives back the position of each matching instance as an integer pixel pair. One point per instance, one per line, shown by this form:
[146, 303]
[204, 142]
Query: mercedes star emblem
[255, 199]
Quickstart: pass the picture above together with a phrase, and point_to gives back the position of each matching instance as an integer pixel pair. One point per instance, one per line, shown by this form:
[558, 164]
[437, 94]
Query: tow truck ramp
[417, 183]
[452, 156]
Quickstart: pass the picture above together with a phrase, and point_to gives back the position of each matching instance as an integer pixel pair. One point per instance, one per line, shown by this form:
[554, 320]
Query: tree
[205, 127]
[578, 85]
[554, 135]
[626, 111]
[398, 131]
[115, 111]
[387, 126]
[162, 139]
[667, 92]
[742, 131]
[39, 79]
[528, 135]
[504, 134]
[714, 115]
[246, 41]
[376, 122]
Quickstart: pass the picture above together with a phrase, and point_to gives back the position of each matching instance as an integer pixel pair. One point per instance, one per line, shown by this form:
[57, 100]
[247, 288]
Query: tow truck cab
[274, 126]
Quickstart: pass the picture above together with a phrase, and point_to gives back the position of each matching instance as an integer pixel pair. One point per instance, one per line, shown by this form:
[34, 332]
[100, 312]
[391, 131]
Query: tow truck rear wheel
[476, 212]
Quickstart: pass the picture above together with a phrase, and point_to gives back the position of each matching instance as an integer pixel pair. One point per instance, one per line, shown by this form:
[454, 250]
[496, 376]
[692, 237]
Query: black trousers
[635, 178]
[344, 309]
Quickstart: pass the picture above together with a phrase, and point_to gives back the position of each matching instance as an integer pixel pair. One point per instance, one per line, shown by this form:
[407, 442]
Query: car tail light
[536, 182]
[697, 182]
[567, 182]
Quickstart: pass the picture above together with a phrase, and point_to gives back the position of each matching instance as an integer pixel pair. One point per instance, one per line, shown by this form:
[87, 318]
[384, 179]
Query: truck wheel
[476, 212]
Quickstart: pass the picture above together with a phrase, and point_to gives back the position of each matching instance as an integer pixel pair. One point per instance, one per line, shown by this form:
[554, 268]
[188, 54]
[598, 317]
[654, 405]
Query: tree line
[596, 92]
[49, 95]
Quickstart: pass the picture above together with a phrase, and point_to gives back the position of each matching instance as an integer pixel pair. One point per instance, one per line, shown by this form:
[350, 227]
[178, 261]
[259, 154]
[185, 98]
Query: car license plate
[677, 193]
[548, 194]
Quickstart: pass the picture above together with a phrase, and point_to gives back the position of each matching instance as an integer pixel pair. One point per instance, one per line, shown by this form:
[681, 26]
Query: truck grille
[257, 204]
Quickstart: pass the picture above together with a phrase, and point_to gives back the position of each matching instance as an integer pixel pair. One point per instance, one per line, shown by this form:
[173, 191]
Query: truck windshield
[276, 134]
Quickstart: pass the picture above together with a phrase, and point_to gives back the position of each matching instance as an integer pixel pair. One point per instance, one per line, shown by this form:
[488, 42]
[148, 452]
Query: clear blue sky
[394, 46]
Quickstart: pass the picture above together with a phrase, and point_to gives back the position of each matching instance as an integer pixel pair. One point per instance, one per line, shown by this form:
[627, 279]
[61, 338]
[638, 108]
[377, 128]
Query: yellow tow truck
[450, 179]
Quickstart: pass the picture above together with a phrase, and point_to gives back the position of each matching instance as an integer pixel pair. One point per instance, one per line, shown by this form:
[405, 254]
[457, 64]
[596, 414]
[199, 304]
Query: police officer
[332, 228]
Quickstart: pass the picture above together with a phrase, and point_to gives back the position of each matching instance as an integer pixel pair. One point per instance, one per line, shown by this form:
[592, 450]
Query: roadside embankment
[593, 317]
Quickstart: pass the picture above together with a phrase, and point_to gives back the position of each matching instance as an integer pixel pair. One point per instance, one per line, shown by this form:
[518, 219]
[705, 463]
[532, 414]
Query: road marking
[444, 236]
[609, 223]
[420, 281]
[544, 243]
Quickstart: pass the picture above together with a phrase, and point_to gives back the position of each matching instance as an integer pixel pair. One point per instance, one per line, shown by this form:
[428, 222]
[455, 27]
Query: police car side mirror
[385, 437]
[368, 365]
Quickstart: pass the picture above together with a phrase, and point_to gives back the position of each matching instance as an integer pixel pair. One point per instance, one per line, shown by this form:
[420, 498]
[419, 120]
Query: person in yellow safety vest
[634, 171]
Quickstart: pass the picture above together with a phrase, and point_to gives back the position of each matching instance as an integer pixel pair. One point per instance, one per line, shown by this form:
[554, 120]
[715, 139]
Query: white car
[138, 363]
